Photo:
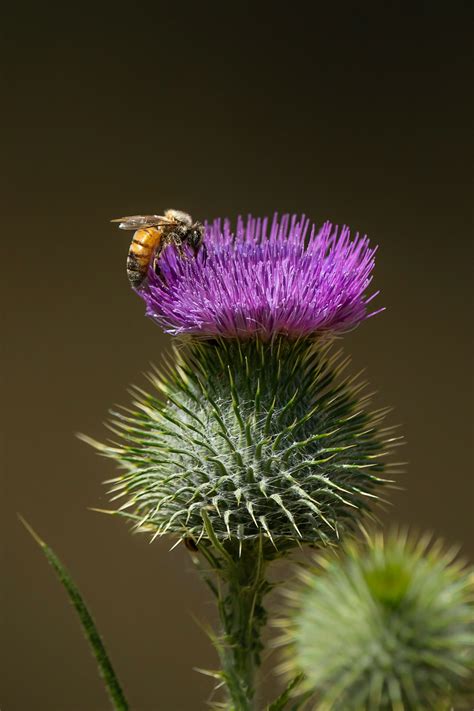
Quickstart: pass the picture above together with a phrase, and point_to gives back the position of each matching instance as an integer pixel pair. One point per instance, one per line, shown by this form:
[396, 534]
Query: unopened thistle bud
[388, 626]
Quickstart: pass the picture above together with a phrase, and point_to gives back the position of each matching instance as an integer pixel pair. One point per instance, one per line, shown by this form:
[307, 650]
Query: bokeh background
[359, 114]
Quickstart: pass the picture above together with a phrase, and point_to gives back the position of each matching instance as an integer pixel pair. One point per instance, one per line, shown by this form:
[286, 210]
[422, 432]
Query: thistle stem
[240, 592]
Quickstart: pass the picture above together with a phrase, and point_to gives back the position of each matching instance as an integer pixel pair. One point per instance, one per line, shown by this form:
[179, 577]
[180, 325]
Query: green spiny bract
[268, 439]
[386, 627]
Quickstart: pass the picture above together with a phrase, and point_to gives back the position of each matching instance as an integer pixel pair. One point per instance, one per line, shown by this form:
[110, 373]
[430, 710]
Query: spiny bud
[267, 438]
[389, 627]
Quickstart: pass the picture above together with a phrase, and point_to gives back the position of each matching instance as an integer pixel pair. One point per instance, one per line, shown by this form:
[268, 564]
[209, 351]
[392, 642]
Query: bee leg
[157, 270]
[200, 248]
[160, 274]
[156, 264]
[176, 240]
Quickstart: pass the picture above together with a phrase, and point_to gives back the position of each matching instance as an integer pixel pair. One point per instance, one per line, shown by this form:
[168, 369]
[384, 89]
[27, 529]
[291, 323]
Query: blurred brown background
[360, 115]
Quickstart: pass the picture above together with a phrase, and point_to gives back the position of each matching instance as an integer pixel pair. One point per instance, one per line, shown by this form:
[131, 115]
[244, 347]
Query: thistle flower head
[281, 278]
[266, 439]
[387, 627]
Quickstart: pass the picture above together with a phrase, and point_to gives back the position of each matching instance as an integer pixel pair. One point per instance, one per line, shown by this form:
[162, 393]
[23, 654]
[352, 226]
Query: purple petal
[283, 277]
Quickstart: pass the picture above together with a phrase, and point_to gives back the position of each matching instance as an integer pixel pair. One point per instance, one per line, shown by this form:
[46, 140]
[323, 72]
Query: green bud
[384, 627]
[267, 439]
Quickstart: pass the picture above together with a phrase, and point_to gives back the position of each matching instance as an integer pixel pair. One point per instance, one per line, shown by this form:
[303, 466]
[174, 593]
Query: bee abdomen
[141, 250]
[148, 236]
[136, 271]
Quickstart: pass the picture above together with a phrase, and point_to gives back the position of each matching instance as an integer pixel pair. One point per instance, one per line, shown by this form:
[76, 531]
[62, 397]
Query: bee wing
[136, 222]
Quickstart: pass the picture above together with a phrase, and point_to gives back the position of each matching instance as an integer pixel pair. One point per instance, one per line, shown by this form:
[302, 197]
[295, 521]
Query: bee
[152, 234]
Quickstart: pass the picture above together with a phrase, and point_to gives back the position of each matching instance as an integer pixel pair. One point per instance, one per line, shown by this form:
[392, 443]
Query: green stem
[242, 586]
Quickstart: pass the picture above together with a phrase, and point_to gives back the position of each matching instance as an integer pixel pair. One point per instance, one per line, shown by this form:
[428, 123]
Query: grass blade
[105, 667]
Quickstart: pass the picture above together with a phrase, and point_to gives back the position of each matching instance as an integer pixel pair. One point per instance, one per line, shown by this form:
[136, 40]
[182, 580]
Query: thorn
[111, 512]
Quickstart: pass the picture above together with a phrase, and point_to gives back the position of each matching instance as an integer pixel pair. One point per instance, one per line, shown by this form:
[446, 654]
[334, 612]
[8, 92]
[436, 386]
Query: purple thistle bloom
[285, 278]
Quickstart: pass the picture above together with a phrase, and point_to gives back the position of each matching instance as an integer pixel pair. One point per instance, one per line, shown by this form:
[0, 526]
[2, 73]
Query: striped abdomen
[142, 248]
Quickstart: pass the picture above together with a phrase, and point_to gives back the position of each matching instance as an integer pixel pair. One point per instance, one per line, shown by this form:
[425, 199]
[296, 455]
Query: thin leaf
[284, 697]
[105, 667]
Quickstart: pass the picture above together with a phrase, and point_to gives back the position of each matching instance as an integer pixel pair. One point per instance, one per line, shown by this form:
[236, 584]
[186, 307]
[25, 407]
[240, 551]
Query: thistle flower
[285, 278]
[254, 441]
[388, 627]
[265, 438]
